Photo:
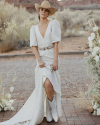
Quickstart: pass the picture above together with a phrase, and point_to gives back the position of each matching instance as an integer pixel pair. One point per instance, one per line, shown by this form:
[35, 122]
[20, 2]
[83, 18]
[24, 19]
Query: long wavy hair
[39, 14]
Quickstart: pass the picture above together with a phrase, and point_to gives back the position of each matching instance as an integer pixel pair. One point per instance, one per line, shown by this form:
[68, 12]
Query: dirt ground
[67, 44]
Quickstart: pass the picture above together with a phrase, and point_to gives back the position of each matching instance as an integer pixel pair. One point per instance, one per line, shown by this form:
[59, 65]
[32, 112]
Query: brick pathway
[71, 115]
[73, 76]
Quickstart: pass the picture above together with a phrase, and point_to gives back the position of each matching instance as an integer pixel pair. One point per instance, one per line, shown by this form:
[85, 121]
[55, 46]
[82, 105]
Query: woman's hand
[55, 65]
[41, 64]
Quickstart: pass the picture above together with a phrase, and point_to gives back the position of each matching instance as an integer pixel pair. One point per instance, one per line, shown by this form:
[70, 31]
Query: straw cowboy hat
[46, 4]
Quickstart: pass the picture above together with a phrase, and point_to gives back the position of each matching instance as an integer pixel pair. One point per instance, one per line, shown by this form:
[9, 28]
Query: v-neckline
[45, 31]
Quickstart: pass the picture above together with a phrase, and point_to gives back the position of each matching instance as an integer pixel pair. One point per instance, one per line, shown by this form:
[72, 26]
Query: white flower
[90, 49]
[95, 112]
[90, 44]
[89, 23]
[11, 101]
[93, 102]
[98, 111]
[11, 89]
[3, 102]
[95, 28]
[5, 108]
[93, 53]
[1, 105]
[9, 105]
[96, 105]
[49, 67]
[85, 53]
[97, 58]
[96, 49]
[12, 108]
[90, 38]
[99, 41]
[8, 96]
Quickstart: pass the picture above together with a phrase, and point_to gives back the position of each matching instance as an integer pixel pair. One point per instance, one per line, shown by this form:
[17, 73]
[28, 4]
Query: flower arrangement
[93, 67]
[5, 98]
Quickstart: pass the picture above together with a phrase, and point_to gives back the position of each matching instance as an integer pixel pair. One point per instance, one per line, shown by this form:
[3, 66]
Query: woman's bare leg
[49, 89]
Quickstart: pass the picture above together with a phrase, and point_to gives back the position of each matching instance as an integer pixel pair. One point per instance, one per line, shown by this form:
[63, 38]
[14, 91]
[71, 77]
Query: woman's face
[43, 12]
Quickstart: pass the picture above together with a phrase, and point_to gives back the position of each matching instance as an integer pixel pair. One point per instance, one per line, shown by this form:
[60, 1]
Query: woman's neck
[43, 21]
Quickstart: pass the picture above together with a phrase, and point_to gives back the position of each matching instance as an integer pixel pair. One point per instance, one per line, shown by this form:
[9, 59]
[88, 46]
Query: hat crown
[45, 4]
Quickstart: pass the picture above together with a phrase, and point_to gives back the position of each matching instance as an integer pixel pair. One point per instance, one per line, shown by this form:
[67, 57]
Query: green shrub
[15, 25]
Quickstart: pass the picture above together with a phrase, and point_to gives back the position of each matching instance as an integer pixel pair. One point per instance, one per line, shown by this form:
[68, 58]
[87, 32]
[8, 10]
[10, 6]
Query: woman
[45, 101]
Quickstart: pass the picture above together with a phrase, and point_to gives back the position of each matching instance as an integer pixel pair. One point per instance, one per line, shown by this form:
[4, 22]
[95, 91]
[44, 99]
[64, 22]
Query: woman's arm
[36, 52]
[56, 52]
[56, 38]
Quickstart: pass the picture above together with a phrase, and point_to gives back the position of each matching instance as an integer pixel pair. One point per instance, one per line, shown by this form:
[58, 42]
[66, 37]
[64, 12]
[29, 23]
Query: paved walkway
[73, 75]
[71, 114]
[74, 79]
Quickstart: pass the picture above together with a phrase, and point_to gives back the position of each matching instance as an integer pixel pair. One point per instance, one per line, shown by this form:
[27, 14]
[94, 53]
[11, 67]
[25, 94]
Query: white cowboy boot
[54, 109]
[48, 111]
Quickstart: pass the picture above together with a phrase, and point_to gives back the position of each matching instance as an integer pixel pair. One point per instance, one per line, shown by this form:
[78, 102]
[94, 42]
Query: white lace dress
[34, 109]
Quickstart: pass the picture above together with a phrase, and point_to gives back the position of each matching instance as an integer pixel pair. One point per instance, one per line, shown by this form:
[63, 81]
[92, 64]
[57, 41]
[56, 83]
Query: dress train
[34, 109]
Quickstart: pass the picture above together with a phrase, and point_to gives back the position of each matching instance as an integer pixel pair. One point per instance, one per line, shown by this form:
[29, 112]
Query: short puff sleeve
[56, 31]
[33, 40]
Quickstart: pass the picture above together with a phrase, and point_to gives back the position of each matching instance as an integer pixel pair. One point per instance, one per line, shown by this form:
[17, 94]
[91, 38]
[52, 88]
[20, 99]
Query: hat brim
[52, 9]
